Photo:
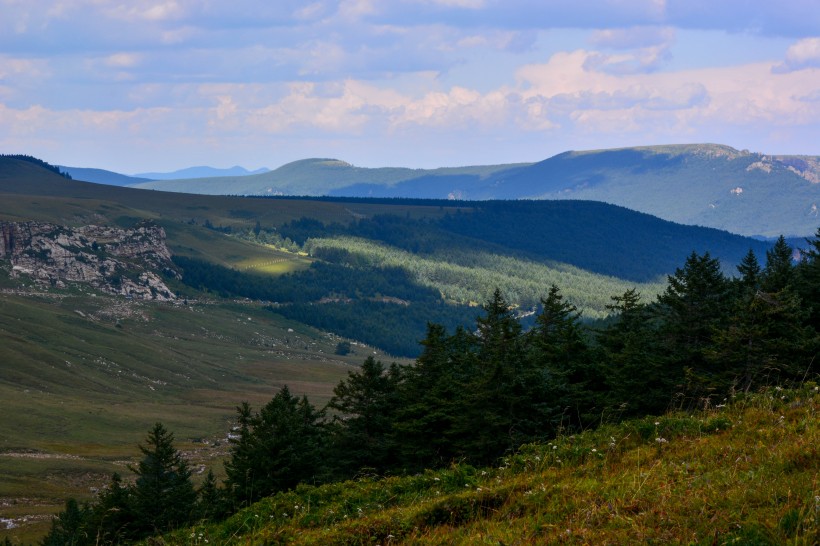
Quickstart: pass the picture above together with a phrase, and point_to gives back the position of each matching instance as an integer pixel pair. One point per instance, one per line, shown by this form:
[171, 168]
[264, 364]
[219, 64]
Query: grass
[83, 376]
[745, 474]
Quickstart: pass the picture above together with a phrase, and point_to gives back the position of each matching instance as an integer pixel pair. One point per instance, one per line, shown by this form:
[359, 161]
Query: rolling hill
[700, 184]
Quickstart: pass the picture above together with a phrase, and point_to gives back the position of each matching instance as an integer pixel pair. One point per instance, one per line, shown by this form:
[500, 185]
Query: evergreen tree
[240, 467]
[211, 503]
[163, 495]
[779, 270]
[750, 273]
[278, 448]
[113, 513]
[765, 341]
[366, 401]
[638, 382]
[807, 281]
[430, 399]
[561, 374]
[494, 397]
[70, 527]
[693, 306]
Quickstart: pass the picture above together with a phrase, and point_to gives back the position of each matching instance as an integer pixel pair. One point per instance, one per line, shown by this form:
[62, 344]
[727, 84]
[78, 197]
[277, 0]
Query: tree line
[477, 394]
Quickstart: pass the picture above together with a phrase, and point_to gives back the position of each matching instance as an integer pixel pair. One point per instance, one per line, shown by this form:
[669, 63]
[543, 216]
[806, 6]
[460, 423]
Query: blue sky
[147, 85]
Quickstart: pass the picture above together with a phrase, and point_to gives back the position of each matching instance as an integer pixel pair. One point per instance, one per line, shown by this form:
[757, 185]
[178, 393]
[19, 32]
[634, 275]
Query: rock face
[117, 261]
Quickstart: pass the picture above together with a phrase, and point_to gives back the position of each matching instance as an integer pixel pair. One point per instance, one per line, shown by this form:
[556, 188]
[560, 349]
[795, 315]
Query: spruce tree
[560, 375]
[113, 513]
[277, 449]
[779, 270]
[367, 402]
[164, 496]
[431, 400]
[807, 281]
[637, 380]
[70, 527]
[693, 306]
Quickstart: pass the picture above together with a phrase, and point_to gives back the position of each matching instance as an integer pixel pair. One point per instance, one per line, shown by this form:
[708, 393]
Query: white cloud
[801, 55]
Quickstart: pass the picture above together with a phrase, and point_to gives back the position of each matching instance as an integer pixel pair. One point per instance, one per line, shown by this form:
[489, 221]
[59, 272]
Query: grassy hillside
[744, 473]
[84, 375]
[709, 185]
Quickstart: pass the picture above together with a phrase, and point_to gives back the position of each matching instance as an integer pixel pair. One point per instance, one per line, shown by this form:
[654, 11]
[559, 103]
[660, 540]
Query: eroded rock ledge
[112, 260]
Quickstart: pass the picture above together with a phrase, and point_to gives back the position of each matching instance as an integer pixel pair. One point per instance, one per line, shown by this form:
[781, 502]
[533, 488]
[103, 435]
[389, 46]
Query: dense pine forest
[479, 393]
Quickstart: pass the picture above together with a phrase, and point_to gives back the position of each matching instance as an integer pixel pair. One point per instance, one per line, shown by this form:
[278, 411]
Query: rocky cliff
[113, 260]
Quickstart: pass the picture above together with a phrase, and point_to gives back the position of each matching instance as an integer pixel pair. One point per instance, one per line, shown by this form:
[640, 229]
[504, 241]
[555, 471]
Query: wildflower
[554, 447]
[594, 450]
[660, 440]
[657, 423]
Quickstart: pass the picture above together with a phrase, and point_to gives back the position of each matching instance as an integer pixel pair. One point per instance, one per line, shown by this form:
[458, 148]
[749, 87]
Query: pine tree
[277, 449]
[210, 499]
[114, 513]
[70, 527]
[779, 270]
[239, 467]
[164, 496]
[430, 399]
[638, 382]
[560, 376]
[366, 402]
[807, 281]
[750, 273]
[693, 306]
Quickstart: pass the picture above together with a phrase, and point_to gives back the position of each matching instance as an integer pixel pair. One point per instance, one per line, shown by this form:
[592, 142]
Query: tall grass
[746, 473]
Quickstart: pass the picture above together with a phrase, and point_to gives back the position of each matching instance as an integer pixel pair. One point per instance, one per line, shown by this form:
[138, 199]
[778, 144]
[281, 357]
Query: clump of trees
[161, 498]
[476, 394]
[39, 163]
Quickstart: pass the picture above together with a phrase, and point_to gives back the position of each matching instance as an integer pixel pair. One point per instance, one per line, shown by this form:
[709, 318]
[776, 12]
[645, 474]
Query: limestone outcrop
[113, 260]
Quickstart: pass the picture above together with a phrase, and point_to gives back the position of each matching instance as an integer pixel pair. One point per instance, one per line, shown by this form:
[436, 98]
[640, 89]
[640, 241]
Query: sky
[158, 85]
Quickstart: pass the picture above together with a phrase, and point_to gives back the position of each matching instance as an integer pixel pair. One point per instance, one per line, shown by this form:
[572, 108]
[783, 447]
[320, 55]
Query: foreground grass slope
[745, 473]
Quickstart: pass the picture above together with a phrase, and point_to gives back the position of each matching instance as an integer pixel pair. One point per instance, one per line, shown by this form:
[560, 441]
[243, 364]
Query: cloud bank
[154, 84]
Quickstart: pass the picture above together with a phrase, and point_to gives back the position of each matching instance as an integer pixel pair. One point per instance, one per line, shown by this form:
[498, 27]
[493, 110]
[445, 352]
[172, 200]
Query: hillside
[709, 185]
[102, 176]
[316, 177]
[84, 373]
[744, 473]
[700, 184]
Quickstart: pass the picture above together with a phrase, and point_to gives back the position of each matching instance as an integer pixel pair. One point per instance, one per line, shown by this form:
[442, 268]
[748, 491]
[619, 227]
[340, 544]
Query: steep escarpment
[117, 261]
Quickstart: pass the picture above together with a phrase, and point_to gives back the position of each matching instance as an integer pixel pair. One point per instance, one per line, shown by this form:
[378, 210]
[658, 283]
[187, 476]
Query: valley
[246, 295]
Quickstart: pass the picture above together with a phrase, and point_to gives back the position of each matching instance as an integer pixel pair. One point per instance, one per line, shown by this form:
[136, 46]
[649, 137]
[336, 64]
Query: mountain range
[711, 185]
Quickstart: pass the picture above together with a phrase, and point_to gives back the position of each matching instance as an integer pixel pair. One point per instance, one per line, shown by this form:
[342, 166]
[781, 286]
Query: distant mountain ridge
[711, 185]
[200, 172]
